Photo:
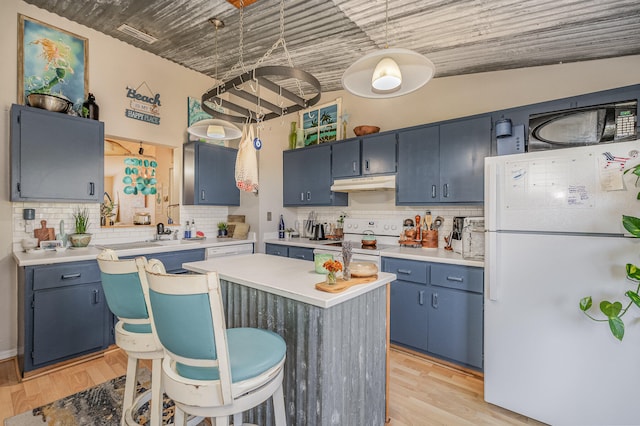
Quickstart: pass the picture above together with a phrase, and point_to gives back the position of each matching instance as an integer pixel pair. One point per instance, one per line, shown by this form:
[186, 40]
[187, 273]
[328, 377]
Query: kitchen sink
[129, 246]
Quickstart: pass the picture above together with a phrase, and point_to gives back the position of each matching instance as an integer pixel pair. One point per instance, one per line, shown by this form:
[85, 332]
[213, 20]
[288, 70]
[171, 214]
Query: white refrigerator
[555, 235]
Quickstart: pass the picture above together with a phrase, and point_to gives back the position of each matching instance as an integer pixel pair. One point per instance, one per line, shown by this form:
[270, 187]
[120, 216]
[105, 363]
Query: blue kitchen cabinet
[440, 164]
[62, 313]
[304, 253]
[276, 250]
[306, 175]
[370, 155]
[437, 309]
[55, 157]
[209, 175]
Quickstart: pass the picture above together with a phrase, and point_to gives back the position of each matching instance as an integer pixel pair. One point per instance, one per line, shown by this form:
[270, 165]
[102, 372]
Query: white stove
[386, 233]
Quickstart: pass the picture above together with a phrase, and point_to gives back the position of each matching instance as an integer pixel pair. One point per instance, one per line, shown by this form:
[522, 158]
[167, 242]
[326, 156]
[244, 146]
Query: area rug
[97, 406]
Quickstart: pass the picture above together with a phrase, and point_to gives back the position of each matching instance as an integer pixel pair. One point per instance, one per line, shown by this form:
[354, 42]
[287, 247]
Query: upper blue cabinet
[443, 163]
[209, 175]
[55, 156]
[369, 155]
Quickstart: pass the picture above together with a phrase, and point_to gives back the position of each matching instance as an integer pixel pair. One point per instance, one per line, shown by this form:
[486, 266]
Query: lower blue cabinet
[437, 309]
[293, 252]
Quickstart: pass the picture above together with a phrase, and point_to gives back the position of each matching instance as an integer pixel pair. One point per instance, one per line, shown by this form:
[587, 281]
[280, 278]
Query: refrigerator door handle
[490, 267]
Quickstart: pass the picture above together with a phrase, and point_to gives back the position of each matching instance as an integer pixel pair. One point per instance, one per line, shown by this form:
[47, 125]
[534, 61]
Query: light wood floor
[422, 392]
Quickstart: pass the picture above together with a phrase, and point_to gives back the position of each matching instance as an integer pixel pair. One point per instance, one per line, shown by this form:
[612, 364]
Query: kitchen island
[336, 367]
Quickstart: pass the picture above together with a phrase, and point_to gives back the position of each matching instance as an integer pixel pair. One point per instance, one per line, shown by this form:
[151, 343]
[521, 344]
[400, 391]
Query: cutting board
[44, 233]
[342, 285]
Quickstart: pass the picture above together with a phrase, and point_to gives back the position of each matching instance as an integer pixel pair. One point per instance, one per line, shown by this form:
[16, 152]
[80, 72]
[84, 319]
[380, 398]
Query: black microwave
[614, 122]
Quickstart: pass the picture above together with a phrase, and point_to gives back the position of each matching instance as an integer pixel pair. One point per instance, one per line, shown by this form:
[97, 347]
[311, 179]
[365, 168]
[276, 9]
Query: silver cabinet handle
[70, 276]
[202, 194]
[434, 300]
[308, 195]
[96, 297]
[404, 271]
[300, 256]
[421, 297]
[457, 279]
[354, 167]
[92, 188]
[445, 190]
[433, 191]
[302, 196]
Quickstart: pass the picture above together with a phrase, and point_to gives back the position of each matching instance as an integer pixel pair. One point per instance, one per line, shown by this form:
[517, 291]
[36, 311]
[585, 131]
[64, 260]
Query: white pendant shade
[415, 71]
[386, 76]
[215, 129]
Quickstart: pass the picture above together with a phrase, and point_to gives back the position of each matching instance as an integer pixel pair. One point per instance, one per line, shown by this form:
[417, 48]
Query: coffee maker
[456, 234]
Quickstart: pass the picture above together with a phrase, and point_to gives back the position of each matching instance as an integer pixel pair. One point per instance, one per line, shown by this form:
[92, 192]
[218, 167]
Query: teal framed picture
[51, 61]
[321, 123]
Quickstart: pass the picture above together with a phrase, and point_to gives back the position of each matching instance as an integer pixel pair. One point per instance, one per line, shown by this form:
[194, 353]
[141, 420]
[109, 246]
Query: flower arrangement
[332, 266]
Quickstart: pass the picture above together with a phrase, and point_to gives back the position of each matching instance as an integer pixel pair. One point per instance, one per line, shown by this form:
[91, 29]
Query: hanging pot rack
[247, 86]
[238, 88]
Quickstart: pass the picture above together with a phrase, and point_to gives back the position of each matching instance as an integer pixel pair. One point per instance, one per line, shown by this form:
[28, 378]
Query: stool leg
[179, 417]
[278, 407]
[156, 393]
[129, 386]
[237, 419]
[221, 421]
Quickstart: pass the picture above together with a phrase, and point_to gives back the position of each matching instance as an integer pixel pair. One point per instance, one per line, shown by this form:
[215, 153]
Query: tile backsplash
[206, 218]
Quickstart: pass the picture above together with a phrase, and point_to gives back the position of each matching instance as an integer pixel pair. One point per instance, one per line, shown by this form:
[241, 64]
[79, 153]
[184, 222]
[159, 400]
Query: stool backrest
[188, 319]
[123, 290]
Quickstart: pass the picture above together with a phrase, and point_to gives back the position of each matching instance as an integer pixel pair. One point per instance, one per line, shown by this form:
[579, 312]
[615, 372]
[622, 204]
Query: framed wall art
[52, 61]
[321, 123]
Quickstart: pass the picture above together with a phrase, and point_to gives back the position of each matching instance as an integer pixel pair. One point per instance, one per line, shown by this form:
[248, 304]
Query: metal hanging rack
[263, 77]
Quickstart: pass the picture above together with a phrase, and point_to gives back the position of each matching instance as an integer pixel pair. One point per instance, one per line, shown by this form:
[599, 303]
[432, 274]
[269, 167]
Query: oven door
[355, 257]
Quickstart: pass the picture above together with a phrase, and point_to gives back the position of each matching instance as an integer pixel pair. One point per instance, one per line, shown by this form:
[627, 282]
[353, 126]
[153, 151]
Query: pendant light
[388, 72]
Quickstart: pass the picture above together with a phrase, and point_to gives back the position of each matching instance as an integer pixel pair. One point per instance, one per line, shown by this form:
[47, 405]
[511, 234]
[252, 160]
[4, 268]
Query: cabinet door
[293, 173]
[303, 253]
[345, 159]
[409, 314]
[216, 176]
[464, 145]
[68, 321]
[55, 156]
[317, 164]
[379, 154]
[277, 250]
[418, 177]
[455, 325]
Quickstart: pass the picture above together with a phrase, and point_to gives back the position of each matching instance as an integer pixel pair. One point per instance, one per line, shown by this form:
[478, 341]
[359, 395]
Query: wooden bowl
[365, 130]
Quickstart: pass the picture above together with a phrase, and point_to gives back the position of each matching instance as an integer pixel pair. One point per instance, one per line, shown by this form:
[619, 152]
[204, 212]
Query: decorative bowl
[29, 243]
[365, 130]
[55, 103]
[79, 240]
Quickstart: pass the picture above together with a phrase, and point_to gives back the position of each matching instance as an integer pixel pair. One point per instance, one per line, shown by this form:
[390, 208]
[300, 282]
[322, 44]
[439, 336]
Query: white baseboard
[8, 354]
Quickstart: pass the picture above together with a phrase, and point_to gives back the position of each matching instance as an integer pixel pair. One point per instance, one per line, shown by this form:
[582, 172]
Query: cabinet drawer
[277, 250]
[301, 253]
[64, 274]
[458, 277]
[173, 260]
[407, 270]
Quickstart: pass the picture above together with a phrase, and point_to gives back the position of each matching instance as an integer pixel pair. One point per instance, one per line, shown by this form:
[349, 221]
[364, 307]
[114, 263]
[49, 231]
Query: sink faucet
[160, 231]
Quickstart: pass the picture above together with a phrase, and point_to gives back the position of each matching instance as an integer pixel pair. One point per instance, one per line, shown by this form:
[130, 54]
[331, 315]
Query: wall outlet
[268, 216]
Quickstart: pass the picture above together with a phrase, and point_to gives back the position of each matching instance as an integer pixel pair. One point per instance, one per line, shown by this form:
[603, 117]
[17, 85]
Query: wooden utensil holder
[430, 239]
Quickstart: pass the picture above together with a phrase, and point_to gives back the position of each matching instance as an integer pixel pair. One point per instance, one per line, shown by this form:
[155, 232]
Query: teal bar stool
[209, 370]
[133, 334]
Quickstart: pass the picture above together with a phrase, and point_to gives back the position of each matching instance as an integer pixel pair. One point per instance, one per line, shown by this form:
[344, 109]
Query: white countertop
[291, 278]
[439, 255]
[88, 253]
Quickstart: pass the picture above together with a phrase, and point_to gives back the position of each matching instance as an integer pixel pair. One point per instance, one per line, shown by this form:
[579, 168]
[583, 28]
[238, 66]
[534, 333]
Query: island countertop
[291, 278]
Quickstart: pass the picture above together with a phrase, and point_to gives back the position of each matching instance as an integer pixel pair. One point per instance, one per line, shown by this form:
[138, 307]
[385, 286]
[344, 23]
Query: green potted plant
[614, 311]
[106, 213]
[80, 237]
[222, 229]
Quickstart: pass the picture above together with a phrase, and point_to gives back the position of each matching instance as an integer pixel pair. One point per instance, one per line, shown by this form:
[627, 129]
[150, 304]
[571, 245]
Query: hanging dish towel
[247, 162]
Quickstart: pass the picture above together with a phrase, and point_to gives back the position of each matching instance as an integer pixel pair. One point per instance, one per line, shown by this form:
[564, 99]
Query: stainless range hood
[370, 183]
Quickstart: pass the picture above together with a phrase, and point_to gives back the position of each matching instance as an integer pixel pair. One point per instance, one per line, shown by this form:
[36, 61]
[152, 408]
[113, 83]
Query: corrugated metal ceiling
[324, 37]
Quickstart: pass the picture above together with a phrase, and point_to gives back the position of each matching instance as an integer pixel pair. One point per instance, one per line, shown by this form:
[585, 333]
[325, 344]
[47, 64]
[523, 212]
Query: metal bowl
[49, 102]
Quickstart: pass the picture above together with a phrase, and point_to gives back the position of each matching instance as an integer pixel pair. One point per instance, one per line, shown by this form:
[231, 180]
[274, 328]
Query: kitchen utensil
[53, 103]
[365, 130]
[437, 223]
[44, 233]
[418, 226]
[428, 221]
